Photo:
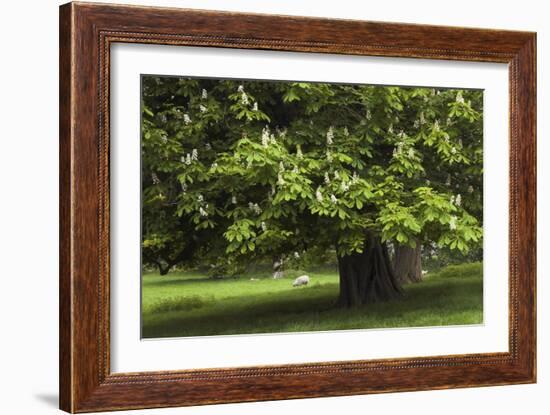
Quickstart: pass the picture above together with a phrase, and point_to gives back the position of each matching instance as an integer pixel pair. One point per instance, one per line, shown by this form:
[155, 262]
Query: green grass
[190, 304]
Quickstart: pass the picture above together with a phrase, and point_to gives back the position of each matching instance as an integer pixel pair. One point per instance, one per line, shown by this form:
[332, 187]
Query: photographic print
[293, 206]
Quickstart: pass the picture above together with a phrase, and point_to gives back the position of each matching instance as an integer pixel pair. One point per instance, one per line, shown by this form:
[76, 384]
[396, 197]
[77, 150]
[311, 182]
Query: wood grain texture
[86, 33]
[65, 247]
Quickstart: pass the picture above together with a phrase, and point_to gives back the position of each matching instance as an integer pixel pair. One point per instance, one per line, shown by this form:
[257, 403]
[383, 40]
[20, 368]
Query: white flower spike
[330, 136]
[452, 223]
[319, 195]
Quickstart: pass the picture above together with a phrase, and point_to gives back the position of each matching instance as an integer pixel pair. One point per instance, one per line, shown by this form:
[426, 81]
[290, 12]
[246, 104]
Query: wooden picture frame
[86, 33]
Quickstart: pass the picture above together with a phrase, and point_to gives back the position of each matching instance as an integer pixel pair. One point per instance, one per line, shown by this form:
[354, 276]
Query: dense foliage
[235, 171]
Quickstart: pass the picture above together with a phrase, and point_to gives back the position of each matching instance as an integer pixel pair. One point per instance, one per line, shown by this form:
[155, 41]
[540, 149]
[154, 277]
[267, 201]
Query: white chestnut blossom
[336, 175]
[265, 136]
[330, 135]
[255, 208]
[208, 146]
[459, 98]
[204, 94]
[263, 226]
[344, 186]
[186, 119]
[452, 223]
[240, 89]
[203, 212]
[183, 187]
[436, 125]
[333, 199]
[346, 132]
[163, 138]
[410, 153]
[470, 189]
[296, 255]
[280, 179]
[214, 165]
[355, 177]
[390, 129]
[448, 181]
[155, 178]
[244, 98]
[453, 150]
[399, 149]
[319, 195]
[327, 178]
[202, 108]
[281, 166]
[295, 170]
[329, 156]
[422, 119]
[188, 159]
[299, 152]
[368, 115]
[458, 200]
[255, 107]
[194, 154]
[234, 200]
[200, 198]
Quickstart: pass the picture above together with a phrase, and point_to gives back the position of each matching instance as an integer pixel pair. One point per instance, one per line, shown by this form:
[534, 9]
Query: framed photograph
[259, 207]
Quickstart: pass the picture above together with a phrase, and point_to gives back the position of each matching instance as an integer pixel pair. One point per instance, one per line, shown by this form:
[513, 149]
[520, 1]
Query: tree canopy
[237, 170]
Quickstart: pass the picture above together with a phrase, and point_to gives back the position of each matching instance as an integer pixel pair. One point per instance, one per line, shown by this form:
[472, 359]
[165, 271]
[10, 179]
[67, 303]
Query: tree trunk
[407, 263]
[367, 277]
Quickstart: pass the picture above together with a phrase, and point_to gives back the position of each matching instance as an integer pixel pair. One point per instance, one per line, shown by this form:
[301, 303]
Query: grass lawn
[190, 304]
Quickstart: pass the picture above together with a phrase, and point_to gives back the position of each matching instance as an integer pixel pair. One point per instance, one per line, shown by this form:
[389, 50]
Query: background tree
[238, 171]
[460, 178]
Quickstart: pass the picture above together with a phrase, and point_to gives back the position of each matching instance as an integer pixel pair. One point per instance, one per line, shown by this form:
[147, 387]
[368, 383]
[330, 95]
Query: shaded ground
[190, 304]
